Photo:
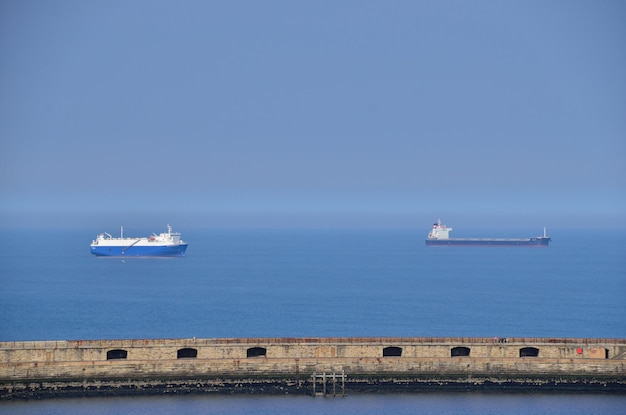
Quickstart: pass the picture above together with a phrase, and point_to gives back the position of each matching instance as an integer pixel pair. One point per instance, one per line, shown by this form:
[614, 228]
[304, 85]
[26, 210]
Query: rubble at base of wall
[358, 384]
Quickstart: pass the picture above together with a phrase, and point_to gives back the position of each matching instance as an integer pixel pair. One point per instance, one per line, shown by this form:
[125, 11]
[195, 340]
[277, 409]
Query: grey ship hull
[537, 241]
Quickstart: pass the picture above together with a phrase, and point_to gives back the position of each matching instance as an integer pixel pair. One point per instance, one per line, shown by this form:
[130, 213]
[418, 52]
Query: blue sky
[316, 113]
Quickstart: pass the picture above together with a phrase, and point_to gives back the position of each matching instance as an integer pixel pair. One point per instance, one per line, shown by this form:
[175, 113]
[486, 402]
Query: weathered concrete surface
[70, 368]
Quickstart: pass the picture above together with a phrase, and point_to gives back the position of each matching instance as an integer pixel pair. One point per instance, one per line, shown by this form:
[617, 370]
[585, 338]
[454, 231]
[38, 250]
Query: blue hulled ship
[164, 244]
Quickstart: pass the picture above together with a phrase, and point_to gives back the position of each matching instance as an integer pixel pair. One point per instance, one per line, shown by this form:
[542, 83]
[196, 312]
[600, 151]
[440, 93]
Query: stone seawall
[280, 365]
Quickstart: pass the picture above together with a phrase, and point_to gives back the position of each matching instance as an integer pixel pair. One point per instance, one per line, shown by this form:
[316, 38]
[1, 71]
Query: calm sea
[297, 283]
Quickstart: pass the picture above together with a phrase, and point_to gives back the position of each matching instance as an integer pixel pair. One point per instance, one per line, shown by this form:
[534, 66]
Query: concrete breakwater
[308, 365]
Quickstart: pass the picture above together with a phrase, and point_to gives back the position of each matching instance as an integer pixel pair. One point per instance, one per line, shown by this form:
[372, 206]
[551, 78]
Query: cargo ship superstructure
[165, 244]
[440, 236]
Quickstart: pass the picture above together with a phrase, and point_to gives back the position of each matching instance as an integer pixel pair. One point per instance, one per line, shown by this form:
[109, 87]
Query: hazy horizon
[463, 223]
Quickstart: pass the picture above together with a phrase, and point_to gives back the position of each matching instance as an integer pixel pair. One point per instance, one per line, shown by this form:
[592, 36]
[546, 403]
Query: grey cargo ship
[439, 236]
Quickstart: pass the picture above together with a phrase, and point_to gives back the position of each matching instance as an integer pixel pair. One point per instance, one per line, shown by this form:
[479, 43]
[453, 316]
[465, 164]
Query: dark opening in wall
[460, 351]
[117, 354]
[392, 351]
[256, 352]
[528, 352]
[186, 353]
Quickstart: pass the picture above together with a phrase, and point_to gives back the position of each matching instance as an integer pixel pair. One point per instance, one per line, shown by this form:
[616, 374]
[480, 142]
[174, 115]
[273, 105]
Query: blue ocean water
[301, 283]
[313, 283]
[396, 404]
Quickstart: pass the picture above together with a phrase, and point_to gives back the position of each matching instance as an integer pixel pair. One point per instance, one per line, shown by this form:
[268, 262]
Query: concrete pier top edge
[35, 344]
